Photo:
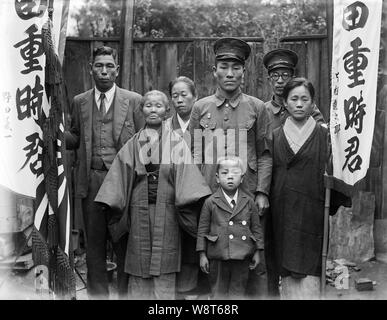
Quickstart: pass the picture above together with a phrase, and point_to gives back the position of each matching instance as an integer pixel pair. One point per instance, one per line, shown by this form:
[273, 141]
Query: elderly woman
[148, 183]
[300, 154]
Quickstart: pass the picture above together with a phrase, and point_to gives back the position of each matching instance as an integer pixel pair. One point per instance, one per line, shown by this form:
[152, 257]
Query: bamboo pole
[325, 241]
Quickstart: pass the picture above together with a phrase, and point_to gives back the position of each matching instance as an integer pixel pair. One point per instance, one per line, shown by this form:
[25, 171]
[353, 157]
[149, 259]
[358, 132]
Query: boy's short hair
[236, 159]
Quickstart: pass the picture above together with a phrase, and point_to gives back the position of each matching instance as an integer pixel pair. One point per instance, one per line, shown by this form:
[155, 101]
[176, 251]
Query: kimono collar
[276, 107]
[234, 101]
[183, 124]
[296, 137]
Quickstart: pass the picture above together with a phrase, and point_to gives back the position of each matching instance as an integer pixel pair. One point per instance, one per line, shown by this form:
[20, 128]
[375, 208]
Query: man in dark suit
[102, 120]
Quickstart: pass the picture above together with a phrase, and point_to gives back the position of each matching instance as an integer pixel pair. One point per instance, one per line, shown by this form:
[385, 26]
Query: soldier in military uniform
[229, 111]
[280, 64]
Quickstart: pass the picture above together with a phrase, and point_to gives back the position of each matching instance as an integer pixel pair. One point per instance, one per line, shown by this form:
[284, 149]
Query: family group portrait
[201, 150]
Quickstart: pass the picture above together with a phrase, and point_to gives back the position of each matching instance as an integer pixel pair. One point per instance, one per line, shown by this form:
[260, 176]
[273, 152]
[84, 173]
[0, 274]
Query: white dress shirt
[235, 197]
[109, 96]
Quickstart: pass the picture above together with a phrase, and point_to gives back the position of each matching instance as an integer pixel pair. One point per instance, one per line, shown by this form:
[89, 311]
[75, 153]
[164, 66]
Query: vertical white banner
[22, 95]
[355, 57]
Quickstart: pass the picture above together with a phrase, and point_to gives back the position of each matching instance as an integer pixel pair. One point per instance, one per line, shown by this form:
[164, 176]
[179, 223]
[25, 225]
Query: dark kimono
[125, 188]
[297, 203]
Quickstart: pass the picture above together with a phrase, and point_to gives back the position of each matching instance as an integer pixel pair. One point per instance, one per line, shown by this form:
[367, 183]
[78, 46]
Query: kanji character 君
[354, 163]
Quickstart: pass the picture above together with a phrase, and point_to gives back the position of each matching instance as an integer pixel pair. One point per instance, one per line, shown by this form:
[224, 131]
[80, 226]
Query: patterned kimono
[154, 247]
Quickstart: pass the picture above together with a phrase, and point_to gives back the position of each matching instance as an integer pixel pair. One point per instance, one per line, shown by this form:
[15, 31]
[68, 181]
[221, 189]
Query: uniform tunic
[245, 116]
[297, 203]
[126, 189]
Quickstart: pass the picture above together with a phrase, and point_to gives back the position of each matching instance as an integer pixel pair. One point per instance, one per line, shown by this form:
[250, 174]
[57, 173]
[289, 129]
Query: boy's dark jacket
[226, 233]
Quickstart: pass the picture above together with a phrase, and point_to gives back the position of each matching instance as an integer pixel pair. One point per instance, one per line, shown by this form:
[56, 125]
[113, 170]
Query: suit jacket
[126, 121]
[226, 233]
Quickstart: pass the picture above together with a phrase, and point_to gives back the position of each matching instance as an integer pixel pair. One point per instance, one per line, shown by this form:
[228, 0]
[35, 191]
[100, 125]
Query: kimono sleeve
[190, 188]
[256, 227]
[190, 185]
[115, 192]
[264, 138]
[337, 198]
[204, 226]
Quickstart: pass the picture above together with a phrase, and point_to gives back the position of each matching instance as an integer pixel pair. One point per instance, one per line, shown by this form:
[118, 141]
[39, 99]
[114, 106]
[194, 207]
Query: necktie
[102, 107]
[233, 203]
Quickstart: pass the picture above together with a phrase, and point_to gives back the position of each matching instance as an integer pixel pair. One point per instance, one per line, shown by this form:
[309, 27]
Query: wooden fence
[157, 61]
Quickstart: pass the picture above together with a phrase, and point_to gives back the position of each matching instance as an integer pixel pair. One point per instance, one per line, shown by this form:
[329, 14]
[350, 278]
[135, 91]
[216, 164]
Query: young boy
[229, 233]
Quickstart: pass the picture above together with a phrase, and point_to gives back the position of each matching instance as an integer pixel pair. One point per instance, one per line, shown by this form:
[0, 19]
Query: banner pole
[325, 242]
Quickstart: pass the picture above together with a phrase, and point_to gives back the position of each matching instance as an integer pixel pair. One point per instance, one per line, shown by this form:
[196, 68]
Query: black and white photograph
[193, 156]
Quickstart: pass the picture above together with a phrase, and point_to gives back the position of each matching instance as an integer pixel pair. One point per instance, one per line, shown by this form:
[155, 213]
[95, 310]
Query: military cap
[280, 58]
[231, 48]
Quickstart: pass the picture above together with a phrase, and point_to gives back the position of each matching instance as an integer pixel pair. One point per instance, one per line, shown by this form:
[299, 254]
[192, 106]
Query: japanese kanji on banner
[22, 62]
[355, 57]
[32, 104]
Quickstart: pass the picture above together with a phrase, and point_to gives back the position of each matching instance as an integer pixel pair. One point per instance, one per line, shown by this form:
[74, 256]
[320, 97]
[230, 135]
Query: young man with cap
[229, 115]
[280, 64]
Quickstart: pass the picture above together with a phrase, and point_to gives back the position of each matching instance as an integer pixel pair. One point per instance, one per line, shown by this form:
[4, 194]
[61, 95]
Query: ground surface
[20, 285]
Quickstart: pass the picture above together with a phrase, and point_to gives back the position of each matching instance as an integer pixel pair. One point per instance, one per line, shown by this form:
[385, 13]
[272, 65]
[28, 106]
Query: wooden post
[63, 30]
[127, 20]
[325, 242]
[382, 99]
[329, 15]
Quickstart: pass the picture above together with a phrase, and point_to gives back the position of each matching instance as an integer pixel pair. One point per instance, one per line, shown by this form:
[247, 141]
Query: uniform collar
[234, 101]
[276, 107]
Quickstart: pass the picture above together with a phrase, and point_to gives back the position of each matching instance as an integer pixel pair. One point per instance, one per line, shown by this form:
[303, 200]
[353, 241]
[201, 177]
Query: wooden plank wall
[156, 62]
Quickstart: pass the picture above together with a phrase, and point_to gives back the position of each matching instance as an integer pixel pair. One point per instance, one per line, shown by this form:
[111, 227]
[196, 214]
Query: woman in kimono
[183, 96]
[297, 194]
[151, 178]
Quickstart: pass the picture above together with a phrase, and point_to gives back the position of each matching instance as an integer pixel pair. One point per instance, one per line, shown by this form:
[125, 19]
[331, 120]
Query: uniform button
[206, 125]
[243, 237]
[231, 236]
[226, 104]
[244, 222]
[231, 223]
